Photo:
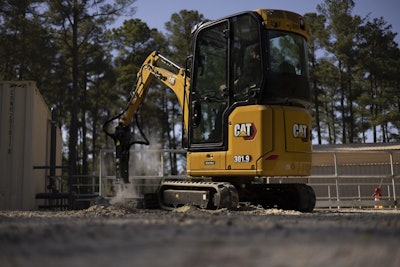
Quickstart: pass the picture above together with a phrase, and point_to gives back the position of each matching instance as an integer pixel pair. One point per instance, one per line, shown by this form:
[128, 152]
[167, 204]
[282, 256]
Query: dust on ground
[121, 235]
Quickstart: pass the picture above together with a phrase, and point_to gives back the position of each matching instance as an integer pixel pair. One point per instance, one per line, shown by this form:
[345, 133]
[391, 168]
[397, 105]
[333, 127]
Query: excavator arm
[175, 77]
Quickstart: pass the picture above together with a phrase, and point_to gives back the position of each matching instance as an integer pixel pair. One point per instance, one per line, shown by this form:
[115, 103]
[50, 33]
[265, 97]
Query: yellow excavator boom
[176, 79]
[178, 82]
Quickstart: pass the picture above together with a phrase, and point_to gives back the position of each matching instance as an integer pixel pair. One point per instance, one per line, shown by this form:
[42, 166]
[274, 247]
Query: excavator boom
[177, 81]
[150, 70]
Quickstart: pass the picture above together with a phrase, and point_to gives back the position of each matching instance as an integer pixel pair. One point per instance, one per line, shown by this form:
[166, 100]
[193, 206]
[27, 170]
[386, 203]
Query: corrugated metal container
[25, 122]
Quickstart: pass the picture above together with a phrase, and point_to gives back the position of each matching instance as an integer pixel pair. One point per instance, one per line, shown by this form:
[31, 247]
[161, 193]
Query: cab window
[209, 97]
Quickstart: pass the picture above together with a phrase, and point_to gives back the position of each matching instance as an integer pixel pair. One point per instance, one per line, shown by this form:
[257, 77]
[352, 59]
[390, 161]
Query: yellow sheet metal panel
[262, 141]
[24, 143]
[291, 153]
[250, 134]
[205, 163]
[297, 129]
[285, 21]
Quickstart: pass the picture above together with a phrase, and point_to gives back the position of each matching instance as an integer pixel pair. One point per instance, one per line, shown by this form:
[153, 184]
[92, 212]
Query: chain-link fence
[339, 178]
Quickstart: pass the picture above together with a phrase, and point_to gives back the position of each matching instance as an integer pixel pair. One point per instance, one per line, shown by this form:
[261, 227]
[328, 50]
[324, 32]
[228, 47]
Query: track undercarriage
[216, 195]
[208, 195]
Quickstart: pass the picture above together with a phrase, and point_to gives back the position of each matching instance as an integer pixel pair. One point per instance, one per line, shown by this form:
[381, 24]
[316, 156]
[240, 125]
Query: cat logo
[246, 130]
[300, 131]
[172, 80]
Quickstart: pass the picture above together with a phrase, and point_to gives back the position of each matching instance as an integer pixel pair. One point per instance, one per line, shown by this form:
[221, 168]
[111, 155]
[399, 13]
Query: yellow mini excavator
[245, 100]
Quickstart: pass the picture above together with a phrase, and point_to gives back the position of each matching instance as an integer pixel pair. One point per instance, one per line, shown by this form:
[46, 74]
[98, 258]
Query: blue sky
[156, 12]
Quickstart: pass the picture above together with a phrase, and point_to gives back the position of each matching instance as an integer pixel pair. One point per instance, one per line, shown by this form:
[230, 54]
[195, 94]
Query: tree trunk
[73, 131]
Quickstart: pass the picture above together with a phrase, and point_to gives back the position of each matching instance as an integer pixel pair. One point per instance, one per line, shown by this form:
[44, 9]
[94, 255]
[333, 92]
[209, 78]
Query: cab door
[209, 89]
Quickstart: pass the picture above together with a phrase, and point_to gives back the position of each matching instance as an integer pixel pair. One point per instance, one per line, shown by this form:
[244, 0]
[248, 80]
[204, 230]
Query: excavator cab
[249, 115]
[250, 89]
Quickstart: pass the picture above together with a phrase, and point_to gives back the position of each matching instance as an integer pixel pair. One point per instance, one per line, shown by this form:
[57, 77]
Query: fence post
[162, 164]
[392, 174]
[337, 180]
[329, 196]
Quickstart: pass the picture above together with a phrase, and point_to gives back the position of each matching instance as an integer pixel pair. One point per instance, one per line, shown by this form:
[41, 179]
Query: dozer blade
[206, 195]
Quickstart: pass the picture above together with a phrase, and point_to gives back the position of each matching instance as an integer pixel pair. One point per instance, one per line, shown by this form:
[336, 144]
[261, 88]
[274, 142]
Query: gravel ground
[122, 236]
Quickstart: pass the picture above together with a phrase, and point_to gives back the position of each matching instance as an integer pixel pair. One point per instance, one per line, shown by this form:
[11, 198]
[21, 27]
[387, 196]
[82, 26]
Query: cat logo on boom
[246, 130]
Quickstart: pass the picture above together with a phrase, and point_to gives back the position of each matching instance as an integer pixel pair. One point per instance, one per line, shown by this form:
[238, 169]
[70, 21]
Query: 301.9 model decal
[241, 158]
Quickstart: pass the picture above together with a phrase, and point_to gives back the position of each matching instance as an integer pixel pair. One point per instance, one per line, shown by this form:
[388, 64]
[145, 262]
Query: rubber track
[224, 195]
